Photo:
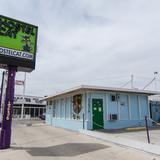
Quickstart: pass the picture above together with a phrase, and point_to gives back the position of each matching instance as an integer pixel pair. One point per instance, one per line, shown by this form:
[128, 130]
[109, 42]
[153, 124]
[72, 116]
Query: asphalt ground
[34, 140]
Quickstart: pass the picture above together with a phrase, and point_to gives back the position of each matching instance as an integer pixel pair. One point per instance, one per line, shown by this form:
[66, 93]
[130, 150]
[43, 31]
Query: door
[97, 113]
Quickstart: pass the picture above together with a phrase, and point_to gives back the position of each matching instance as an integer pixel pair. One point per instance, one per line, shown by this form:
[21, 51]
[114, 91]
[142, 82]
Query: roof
[154, 98]
[28, 96]
[100, 88]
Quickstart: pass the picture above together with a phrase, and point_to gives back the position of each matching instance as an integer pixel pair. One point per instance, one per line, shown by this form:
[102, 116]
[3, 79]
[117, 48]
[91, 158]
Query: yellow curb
[136, 129]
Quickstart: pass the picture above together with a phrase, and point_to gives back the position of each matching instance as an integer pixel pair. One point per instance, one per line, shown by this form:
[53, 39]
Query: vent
[113, 117]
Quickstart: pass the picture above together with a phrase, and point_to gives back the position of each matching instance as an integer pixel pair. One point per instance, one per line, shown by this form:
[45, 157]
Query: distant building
[94, 107]
[33, 107]
[155, 107]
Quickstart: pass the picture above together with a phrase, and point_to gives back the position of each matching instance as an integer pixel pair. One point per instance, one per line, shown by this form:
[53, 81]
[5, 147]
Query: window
[113, 98]
[27, 99]
[36, 100]
[50, 103]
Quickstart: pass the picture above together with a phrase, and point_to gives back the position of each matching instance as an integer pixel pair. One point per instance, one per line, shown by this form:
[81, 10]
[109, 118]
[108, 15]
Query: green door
[97, 113]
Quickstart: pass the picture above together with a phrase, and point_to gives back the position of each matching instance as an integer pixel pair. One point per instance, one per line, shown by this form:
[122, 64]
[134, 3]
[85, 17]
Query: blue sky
[94, 42]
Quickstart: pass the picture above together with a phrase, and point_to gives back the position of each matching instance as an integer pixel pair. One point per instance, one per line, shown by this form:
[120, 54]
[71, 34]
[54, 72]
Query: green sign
[17, 39]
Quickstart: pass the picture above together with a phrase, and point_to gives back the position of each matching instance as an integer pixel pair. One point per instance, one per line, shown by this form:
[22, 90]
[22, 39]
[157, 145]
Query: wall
[130, 108]
[49, 115]
[155, 110]
[63, 116]
[67, 124]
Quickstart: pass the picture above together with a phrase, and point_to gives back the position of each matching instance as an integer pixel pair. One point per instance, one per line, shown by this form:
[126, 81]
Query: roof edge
[101, 88]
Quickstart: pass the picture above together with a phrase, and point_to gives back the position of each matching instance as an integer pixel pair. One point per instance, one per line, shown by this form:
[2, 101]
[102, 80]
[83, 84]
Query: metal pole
[34, 112]
[132, 81]
[29, 112]
[4, 91]
[24, 87]
[1, 94]
[1, 90]
[5, 137]
[147, 130]
[155, 80]
[83, 121]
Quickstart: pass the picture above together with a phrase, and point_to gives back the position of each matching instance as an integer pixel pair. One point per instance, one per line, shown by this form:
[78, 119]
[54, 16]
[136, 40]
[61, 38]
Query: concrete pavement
[41, 142]
[120, 140]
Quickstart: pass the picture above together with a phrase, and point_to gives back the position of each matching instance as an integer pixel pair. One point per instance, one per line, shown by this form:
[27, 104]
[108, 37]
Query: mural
[77, 106]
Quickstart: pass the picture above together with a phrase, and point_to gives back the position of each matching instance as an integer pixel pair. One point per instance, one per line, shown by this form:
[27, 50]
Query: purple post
[5, 137]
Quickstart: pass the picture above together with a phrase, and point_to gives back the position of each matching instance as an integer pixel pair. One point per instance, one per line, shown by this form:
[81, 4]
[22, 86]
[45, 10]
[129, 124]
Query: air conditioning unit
[113, 117]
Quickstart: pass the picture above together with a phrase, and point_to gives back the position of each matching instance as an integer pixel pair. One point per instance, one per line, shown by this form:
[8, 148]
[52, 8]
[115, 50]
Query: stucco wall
[131, 110]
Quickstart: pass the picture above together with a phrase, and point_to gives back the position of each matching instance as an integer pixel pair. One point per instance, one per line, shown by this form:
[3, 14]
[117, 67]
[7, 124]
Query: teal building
[95, 107]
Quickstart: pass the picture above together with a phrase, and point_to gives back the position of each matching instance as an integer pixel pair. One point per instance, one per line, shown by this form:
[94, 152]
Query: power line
[126, 84]
[148, 83]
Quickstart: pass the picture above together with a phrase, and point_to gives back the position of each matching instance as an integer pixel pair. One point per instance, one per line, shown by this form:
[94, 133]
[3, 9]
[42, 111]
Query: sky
[90, 42]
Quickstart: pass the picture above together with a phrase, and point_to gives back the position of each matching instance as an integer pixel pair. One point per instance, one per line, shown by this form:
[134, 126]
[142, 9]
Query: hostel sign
[18, 44]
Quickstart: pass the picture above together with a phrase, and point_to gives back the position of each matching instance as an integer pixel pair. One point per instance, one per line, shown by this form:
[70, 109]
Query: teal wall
[135, 115]
[130, 109]
[155, 110]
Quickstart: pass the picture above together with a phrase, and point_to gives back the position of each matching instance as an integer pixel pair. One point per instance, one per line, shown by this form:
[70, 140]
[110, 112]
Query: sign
[18, 44]
[19, 82]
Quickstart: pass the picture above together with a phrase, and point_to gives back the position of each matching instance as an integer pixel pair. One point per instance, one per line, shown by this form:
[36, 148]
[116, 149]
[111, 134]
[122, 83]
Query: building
[93, 107]
[155, 107]
[33, 107]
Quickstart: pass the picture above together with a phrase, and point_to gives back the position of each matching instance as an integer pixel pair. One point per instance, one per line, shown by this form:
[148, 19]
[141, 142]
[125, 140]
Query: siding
[124, 108]
[134, 107]
[144, 106]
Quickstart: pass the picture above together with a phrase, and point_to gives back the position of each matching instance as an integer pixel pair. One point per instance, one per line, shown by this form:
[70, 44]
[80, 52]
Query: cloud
[90, 42]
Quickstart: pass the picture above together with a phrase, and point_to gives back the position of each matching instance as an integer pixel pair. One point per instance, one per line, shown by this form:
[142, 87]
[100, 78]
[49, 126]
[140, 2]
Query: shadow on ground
[63, 150]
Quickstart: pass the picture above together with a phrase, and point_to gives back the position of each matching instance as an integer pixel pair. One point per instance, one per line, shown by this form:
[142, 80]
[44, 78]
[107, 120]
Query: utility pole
[132, 81]
[24, 87]
[1, 95]
[3, 91]
[155, 80]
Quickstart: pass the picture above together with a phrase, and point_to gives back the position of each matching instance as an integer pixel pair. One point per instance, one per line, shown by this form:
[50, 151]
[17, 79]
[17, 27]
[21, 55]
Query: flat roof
[154, 98]
[100, 88]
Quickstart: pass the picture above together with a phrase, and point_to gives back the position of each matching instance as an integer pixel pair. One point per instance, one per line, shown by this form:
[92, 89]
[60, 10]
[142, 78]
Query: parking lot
[34, 140]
